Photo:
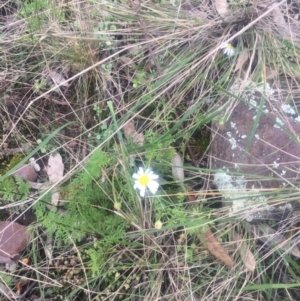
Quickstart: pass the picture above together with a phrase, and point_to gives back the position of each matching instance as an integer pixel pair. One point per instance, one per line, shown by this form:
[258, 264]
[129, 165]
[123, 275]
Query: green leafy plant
[37, 12]
[13, 187]
[43, 148]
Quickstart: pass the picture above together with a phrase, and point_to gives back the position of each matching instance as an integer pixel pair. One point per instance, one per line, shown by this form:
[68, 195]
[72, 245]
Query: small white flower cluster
[228, 49]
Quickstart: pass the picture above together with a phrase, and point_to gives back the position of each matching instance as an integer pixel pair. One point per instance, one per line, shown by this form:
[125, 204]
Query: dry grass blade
[286, 30]
[8, 293]
[216, 249]
[272, 238]
[246, 255]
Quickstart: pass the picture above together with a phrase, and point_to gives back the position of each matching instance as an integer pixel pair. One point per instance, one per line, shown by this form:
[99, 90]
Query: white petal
[137, 185]
[230, 52]
[153, 177]
[148, 171]
[151, 174]
[142, 191]
[153, 186]
[154, 183]
[136, 176]
[141, 171]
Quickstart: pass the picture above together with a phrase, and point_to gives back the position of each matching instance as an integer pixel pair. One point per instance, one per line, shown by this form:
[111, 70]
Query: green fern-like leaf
[89, 210]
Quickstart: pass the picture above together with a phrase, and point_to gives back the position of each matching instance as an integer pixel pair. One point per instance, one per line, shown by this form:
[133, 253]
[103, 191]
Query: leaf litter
[13, 239]
[245, 252]
[177, 168]
[216, 249]
[130, 131]
[55, 171]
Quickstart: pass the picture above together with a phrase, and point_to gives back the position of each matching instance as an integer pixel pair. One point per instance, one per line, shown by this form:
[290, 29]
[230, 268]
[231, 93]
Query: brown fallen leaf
[58, 79]
[26, 172]
[242, 59]
[55, 171]
[127, 61]
[192, 198]
[19, 287]
[26, 260]
[221, 6]
[216, 249]
[13, 239]
[130, 131]
[177, 169]
[149, 66]
[246, 255]
[55, 168]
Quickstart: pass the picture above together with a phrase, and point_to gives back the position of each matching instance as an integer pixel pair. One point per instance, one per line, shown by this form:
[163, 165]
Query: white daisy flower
[145, 179]
[228, 49]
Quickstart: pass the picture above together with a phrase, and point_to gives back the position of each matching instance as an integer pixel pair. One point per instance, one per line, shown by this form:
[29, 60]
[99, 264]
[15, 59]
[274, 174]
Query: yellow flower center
[229, 46]
[144, 180]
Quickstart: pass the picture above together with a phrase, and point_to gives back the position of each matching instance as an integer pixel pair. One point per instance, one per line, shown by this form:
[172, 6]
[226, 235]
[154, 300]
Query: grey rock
[258, 140]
